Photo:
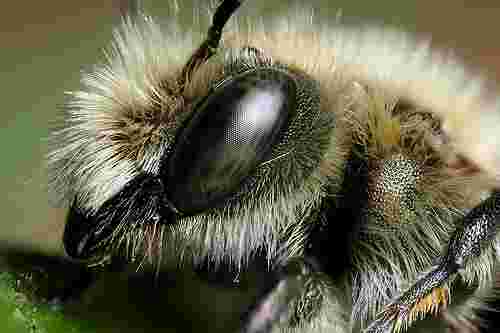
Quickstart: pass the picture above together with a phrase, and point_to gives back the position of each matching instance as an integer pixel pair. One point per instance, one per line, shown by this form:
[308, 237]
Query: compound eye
[231, 132]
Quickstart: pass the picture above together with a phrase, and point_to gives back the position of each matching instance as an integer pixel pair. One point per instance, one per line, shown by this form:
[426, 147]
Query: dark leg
[284, 298]
[431, 293]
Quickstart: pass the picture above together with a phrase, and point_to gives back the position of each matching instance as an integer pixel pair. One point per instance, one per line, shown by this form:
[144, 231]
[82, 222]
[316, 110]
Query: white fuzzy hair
[89, 162]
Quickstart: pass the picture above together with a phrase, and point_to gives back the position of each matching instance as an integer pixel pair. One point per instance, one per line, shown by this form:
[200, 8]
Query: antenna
[209, 46]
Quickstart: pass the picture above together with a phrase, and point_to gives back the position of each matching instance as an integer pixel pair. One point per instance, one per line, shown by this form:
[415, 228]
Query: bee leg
[430, 293]
[272, 306]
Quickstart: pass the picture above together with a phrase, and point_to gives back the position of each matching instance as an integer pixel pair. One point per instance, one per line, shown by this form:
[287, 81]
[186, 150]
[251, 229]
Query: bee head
[187, 148]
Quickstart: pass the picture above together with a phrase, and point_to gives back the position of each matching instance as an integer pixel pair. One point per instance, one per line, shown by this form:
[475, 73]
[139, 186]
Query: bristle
[432, 304]
[400, 317]
[120, 112]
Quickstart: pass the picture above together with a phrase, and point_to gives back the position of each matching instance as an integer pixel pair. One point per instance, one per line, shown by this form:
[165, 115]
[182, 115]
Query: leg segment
[430, 293]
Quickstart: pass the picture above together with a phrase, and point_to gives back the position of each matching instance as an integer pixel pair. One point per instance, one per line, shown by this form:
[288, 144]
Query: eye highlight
[232, 131]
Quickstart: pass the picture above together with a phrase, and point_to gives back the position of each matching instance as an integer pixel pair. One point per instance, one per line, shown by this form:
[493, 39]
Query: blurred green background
[45, 44]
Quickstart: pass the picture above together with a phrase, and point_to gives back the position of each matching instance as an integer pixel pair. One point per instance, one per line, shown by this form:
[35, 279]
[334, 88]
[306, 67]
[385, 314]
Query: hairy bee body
[383, 157]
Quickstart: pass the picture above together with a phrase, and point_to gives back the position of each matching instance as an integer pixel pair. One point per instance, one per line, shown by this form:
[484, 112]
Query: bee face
[340, 153]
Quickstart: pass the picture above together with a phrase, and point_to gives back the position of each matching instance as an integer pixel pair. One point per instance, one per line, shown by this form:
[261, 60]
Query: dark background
[45, 44]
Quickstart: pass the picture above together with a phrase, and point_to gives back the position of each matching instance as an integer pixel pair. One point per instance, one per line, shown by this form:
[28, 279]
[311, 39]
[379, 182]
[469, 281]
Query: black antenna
[209, 46]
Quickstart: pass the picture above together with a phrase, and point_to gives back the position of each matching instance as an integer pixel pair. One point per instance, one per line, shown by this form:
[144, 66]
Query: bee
[360, 164]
